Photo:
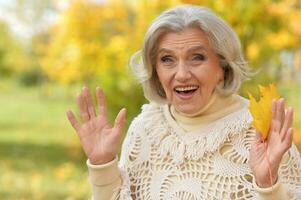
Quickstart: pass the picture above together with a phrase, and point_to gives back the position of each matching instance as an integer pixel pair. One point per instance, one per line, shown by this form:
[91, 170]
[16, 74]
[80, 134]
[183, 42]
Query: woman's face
[188, 69]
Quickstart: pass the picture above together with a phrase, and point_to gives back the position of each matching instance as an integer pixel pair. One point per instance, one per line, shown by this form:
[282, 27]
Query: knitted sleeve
[125, 190]
[122, 187]
[290, 173]
[104, 179]
[110, 181]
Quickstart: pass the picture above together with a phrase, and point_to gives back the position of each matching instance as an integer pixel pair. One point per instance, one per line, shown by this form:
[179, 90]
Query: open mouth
[186, 90]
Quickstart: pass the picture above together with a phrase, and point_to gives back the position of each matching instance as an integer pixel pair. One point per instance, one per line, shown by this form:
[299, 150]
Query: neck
[218, 107]
[202, 111]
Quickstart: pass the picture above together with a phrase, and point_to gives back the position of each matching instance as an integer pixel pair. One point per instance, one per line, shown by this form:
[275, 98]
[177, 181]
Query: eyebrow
[194, 48]
[164, 50]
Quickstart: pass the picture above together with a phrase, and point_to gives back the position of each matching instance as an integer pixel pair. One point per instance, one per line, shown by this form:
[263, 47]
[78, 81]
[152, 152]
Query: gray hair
[223, 39]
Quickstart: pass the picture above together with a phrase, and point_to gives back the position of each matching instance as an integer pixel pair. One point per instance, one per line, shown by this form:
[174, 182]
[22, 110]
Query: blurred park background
[49, 49]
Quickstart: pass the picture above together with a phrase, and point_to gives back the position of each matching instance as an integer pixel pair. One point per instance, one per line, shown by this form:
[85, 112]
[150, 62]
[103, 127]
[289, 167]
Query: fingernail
[122, 110]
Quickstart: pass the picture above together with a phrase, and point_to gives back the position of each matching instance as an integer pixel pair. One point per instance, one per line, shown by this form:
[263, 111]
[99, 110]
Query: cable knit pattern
[161, 162]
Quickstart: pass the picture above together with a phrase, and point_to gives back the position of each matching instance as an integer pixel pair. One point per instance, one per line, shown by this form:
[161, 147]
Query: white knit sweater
[160, 160]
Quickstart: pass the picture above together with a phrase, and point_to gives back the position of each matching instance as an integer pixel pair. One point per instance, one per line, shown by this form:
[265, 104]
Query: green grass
[292, 94]
[40, 155]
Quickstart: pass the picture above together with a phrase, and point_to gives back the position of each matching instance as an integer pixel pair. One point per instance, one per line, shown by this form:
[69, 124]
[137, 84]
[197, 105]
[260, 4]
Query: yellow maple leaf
[262, 110]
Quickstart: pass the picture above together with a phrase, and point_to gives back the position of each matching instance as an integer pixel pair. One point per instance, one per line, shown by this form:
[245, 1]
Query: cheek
[216, 74]
[211, 78]
[164, 78]
[167, 87]
[163, 81]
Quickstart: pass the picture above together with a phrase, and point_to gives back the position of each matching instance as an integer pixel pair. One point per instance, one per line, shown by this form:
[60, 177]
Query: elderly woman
[194, 139]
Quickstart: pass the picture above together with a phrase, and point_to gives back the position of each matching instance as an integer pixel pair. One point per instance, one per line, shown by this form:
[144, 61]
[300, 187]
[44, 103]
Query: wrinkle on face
[187, 58]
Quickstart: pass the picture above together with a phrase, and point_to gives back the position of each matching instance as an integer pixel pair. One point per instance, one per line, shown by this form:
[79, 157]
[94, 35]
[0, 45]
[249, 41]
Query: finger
[292, 117]
[288, 140]
[83, 110]
[275, 124]
[278, 115]
[101, 102]
[281, 112]
[72, 120]
[119, 123]
[288, 121]
[89, 101]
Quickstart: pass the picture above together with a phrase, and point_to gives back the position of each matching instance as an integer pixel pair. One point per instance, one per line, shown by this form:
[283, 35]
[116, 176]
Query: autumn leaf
[262, 110]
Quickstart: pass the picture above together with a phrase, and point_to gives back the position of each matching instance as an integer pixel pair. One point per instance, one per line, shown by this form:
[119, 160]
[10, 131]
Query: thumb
[119, 123]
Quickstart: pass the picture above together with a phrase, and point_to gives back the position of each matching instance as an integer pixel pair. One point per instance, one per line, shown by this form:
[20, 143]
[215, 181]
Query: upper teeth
[186, 88]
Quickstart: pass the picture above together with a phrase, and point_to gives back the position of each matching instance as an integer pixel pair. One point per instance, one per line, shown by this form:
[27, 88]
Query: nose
[183, 72]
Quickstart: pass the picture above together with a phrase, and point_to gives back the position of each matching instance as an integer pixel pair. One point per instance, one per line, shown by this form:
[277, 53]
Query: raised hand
[265, 156]
[98, 138]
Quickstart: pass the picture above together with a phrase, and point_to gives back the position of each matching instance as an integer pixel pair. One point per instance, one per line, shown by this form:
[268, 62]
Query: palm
[265, 156]
[98, 142]
[98, 138]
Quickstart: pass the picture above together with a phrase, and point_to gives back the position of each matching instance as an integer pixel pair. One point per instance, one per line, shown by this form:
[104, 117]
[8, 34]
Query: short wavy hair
[221, 37]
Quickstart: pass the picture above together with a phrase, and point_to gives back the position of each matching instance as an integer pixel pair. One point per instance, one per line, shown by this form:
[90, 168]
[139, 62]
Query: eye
[166, 59]
[198, 57]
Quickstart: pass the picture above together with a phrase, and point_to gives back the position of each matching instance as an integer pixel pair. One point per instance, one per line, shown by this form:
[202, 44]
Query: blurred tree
[92, 42]
[32, 15]
[265, 27]
[91, 37]
[86, 41]
[29, 17]
[11, 53]
[4, 40]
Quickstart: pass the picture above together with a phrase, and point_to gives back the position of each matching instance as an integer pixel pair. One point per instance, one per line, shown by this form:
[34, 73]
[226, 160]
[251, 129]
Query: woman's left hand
[265, 155]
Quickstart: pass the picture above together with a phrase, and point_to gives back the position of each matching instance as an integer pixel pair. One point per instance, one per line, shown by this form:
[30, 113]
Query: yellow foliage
[294, 22]
[64, 171]
[282, 39]
[89, 37]
[297, 138]
[253, 51]
[84, 41]
[278, 9]
[262, 110]
[117, 44]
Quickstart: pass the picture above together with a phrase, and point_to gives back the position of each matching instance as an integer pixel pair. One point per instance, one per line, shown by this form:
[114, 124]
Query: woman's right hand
[98, 138]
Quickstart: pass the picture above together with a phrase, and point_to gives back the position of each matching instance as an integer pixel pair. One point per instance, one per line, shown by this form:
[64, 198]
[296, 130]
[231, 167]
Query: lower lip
[185, 96]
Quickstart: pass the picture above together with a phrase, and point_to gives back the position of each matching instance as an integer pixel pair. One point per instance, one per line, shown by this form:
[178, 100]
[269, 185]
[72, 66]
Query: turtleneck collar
[218, 106]
[197, 113]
